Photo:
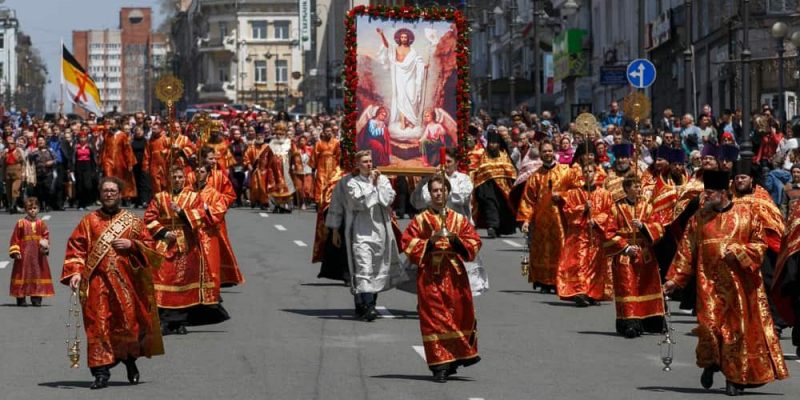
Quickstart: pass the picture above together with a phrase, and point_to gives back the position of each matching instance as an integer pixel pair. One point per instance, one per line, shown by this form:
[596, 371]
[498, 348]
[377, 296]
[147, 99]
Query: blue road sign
[641, 73]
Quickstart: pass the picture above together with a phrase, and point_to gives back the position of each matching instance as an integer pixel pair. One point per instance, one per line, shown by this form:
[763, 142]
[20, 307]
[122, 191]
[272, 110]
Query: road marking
[280, 227]
[512, 243]
[265, 215]
[384, 312]
[3, 264]
[300, 243]
[475, 398]
[46, 217]
[419, 349]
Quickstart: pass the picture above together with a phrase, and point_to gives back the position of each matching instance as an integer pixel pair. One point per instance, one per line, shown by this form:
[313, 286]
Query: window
[260, 71]
[223, 30]
[2, 40]
[259, 29]
[281, 71]
[2, 71]
[223, 74]
[281, 29]
[781, 6]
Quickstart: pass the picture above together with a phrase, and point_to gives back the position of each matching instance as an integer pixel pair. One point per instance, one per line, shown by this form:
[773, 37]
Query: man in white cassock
[407, 74]
[459, 201]
[373, 256]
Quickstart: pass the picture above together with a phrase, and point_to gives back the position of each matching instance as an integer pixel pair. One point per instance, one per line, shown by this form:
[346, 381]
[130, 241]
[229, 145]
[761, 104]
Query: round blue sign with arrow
[641, 73]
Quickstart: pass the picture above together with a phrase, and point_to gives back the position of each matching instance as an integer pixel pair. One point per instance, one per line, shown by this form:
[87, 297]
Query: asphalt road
[292, 336]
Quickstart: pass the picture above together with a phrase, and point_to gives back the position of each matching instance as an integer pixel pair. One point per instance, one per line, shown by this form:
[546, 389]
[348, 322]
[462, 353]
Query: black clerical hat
[716, 180]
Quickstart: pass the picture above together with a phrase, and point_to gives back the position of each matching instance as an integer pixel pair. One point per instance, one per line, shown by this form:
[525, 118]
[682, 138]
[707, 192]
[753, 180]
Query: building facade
[124, 62]
[9, 28]
[241, 52]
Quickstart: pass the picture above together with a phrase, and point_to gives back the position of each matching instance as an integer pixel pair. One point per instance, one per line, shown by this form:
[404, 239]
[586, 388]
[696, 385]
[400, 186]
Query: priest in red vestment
[582, 268]
[637, 281]
[446, 313]
[724, 247]
[108, 260]
[117, 160]
[187, 291]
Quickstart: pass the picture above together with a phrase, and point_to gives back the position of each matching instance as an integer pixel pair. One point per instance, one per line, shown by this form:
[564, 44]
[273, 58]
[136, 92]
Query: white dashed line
[419, 349]
[512, 243]
[280, 227]
[300, 243]
[384, 312]
[265, 215]
[3, 264]
[46, 217]
[475, 398]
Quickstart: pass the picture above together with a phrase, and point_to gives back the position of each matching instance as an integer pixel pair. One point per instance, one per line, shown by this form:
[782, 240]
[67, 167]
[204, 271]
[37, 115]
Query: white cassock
[372, 253]
[406, 79]
[282, 148]
[459, 201]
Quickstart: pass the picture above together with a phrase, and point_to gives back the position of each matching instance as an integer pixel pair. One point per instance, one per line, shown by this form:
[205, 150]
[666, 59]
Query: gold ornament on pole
[586, 123]
[74, 321]
[637, 107]
[169, 89]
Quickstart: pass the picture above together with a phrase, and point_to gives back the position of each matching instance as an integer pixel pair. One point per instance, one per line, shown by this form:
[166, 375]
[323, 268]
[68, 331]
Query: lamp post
[779, 31]
[537, 96]
[747, 145]
[795, 38]
[488, 26]
[688, 55]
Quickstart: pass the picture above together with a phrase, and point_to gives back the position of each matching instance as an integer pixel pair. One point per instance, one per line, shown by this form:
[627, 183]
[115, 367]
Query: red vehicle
[221, 110]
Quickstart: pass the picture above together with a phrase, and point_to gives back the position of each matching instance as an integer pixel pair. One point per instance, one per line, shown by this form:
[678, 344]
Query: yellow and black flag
[81, 89]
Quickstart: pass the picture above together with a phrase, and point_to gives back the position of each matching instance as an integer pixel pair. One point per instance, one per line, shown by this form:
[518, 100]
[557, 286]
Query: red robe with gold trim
[30, 275]
[326, 162]
[735, 332]
[446, 313]
[117, 160]
[582, 268]
[222, 260]
[184, 279]
[545, 223]
[120, 314]
[637, 282]
[499, 171]
[321, 231]
[256, 158]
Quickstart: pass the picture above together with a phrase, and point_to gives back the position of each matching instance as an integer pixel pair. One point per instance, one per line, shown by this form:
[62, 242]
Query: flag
[80, 86]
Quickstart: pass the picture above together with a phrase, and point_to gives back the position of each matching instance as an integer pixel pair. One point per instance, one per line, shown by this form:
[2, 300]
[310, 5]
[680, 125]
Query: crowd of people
[621, 213]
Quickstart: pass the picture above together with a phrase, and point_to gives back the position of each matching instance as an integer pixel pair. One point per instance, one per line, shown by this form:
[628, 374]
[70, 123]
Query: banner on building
[304, 6]
[80, 87]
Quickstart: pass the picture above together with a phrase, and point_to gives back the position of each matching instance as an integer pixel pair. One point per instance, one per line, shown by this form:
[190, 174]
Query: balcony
[216, 91]
[216, 45]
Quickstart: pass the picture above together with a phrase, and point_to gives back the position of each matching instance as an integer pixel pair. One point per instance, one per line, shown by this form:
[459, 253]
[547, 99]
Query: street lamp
[795, 38]
[779, 31]
[687, 67]
[570, 7]
[488, 27]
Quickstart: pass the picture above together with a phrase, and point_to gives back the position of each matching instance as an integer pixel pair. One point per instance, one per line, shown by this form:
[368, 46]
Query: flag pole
[61, 67]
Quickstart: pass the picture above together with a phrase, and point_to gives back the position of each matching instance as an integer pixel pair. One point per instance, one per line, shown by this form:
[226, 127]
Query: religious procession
[633, 223]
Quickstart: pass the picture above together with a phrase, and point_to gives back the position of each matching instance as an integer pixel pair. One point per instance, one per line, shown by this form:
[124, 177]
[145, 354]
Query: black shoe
[36, 301]
[451, 370]
[133, 372]
[21, 302]
[732, 389]
[707, 378]
[370, 315]
[631, 333]
[181, 330]
[165, 330]
[100, 382]
[440, 376]
[580, 301]
[360, 311]
[491, 232]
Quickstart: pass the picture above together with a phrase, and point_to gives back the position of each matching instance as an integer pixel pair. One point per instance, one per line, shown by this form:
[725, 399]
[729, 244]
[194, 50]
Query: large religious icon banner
[406, 86]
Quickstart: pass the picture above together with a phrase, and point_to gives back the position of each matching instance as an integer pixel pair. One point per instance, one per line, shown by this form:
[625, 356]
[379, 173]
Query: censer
[525, 263]
[667, 344]
[74, 320]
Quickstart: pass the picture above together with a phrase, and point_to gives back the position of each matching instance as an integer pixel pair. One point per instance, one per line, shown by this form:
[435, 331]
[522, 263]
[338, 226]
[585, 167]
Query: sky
[50, 21]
